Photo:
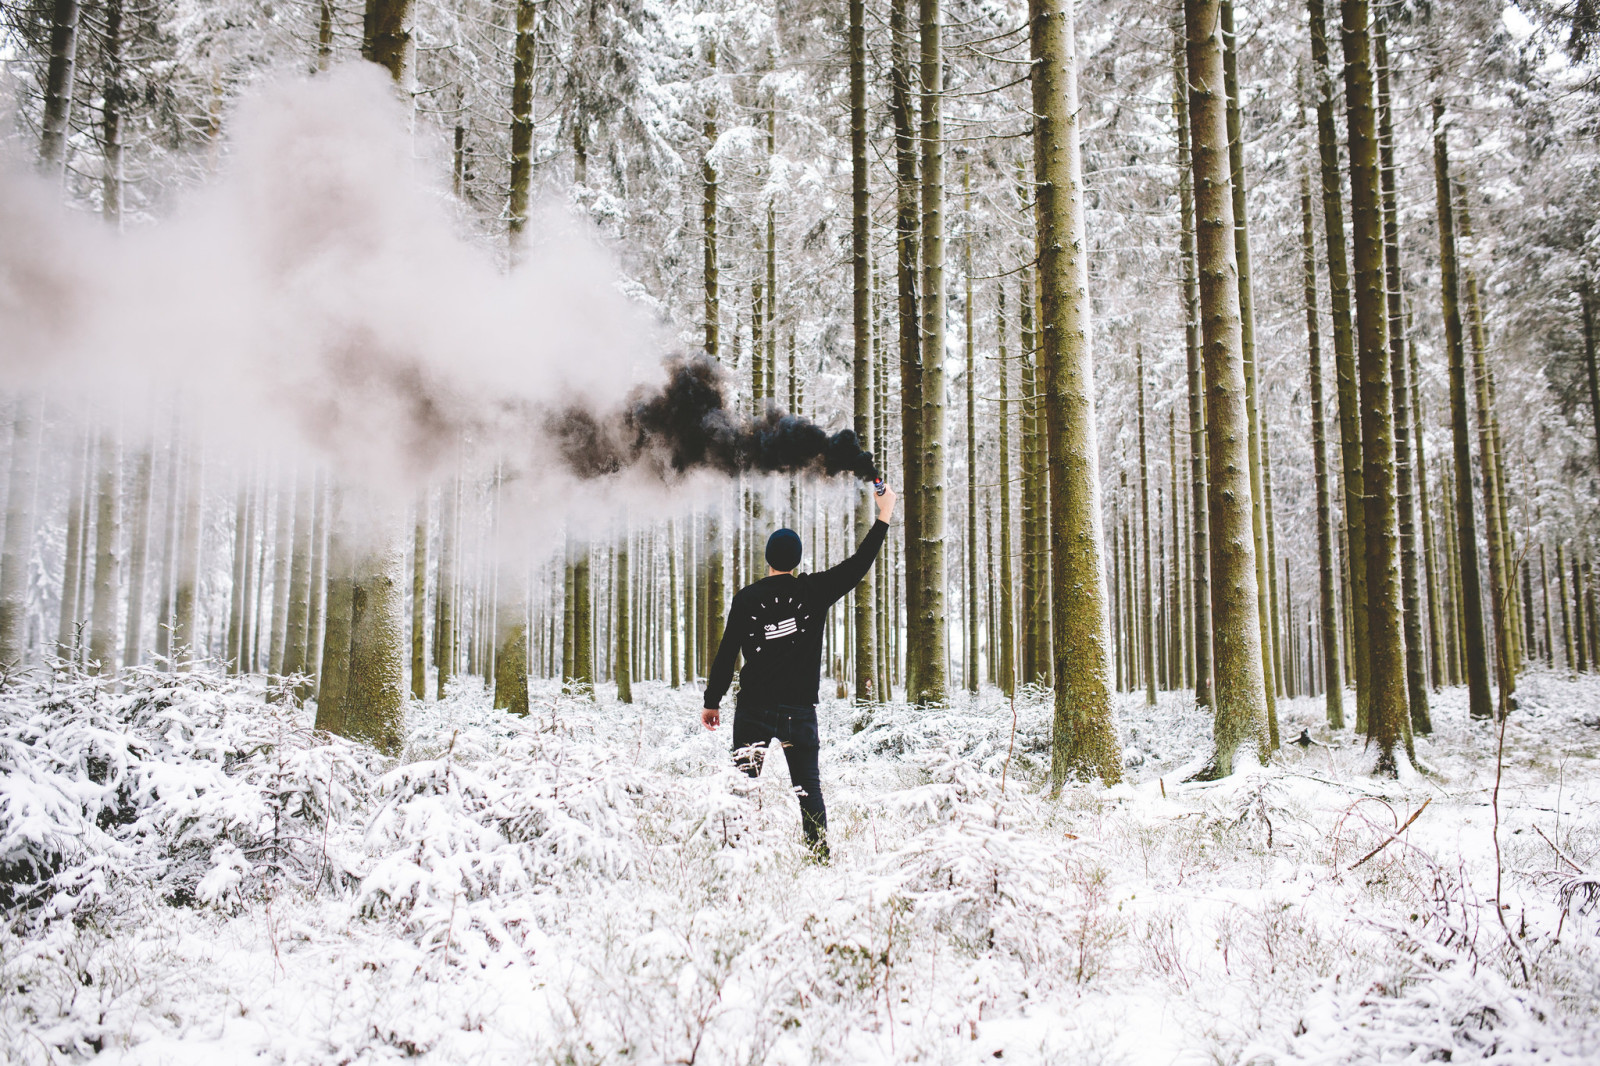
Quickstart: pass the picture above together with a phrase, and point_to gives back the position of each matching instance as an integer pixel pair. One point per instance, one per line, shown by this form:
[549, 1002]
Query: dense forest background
[847, 209]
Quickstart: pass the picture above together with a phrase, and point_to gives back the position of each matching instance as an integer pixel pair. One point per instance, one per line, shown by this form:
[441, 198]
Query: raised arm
[835, 581]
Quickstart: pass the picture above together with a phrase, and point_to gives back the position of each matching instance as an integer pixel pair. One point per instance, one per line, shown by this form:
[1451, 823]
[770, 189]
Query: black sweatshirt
[777, 623]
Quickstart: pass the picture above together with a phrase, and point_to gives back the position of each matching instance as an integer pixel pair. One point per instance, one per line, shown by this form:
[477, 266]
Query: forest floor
[191, 876]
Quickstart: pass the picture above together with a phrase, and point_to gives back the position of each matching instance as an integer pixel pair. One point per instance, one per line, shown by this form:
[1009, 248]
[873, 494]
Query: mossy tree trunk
[1344, 359]
[1332, 676]
[107, 532]
[1247, 345]
[932, 624]
[861, 361]
[1239, 698]
[904, 112]
[1470, 602]
[1083, 734]
[1200, 552]
[16, 556]
[1388, 710]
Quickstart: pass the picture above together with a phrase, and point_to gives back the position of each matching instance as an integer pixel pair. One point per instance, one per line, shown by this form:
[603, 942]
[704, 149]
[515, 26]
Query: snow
[192, 875]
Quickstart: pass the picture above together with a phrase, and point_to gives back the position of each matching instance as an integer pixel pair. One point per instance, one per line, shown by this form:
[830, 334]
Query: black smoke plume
[687, 425]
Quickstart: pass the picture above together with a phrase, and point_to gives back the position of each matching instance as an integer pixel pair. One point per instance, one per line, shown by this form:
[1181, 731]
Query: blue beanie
[783, 550]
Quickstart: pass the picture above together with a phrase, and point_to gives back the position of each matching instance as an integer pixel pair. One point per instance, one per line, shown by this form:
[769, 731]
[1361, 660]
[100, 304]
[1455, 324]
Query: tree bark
[1329, 613]
[386, 41]
[334, 678]
[971, 663]
[17, 556]
[903, 110]
[521, 122]
[861, 363]
[511, 630]
[1240, 693]
[374, 697]
[1006, 663]
[1411, 593]
[449, 519]
[1200, 551]
[1344, 359]
[1429, 550]
[1247, 342]
[107, 531]
[419, 599]
[56, 121]
[282, 560]
[1388, 710]
[1470, 604]
[934, 633]
[1083, 734]
[297, 619]
[138, 554]
[1147, 621]
[623, 622]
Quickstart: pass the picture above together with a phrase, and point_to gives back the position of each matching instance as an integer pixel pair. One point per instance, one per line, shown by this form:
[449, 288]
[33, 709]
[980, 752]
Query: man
[778, 624]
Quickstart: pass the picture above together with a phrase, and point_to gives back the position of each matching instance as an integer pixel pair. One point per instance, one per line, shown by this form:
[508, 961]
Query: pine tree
[1083, 735]
[861, 364]
[1239, 698]
[1200, 552]
[16, 555]
[1470, 601]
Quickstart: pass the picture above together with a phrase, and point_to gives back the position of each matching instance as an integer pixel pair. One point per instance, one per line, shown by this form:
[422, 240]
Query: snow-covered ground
[189, 875]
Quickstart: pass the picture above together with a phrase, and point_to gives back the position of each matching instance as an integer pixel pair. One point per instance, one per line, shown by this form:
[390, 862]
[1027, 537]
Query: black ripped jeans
[796, 729]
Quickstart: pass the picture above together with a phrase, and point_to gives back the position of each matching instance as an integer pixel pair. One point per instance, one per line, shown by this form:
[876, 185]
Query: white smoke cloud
[317, 298]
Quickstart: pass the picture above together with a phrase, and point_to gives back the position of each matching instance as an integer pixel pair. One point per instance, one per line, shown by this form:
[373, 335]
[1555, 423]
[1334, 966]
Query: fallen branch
[1395, 835]
[1559, 853]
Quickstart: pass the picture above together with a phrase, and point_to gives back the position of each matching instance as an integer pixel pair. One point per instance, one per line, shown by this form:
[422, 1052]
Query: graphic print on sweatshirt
[778, 621]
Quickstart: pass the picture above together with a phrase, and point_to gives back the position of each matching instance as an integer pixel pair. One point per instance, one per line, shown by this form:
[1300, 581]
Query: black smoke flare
[687, 425]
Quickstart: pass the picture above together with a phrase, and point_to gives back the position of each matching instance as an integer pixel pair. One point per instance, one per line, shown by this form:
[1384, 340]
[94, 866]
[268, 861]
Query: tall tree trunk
[449, 519]
[185, 627]
[971, 664]
[933, 635]
[861, 363]
[138, 553]
[114, 98]
[511, 631]
[236, 606]
[1411, 593]
[1240, 689]
[1586, 303]
[1568, 658]
[386, 37]
[282, 560]
[1429, 554]
[1388, 712]
[1329, 613]
[1007, 665]
[1344, 360]
[1247, 341]
[334, 677]
[17, 555]
[908, 237]
[521, 122]
[374, 696]
[1470, 604]
[1499, 571]
[1200, 551]
[297, 619]
[1147, 621]
[1083, 735]
[674, 652]
[107, 532]
[169, 550]
[419, 599]
[623, 622]
[56, 121]
[583, 671]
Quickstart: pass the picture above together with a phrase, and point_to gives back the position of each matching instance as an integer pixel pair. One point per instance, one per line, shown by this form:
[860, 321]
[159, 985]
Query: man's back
[777, 623]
